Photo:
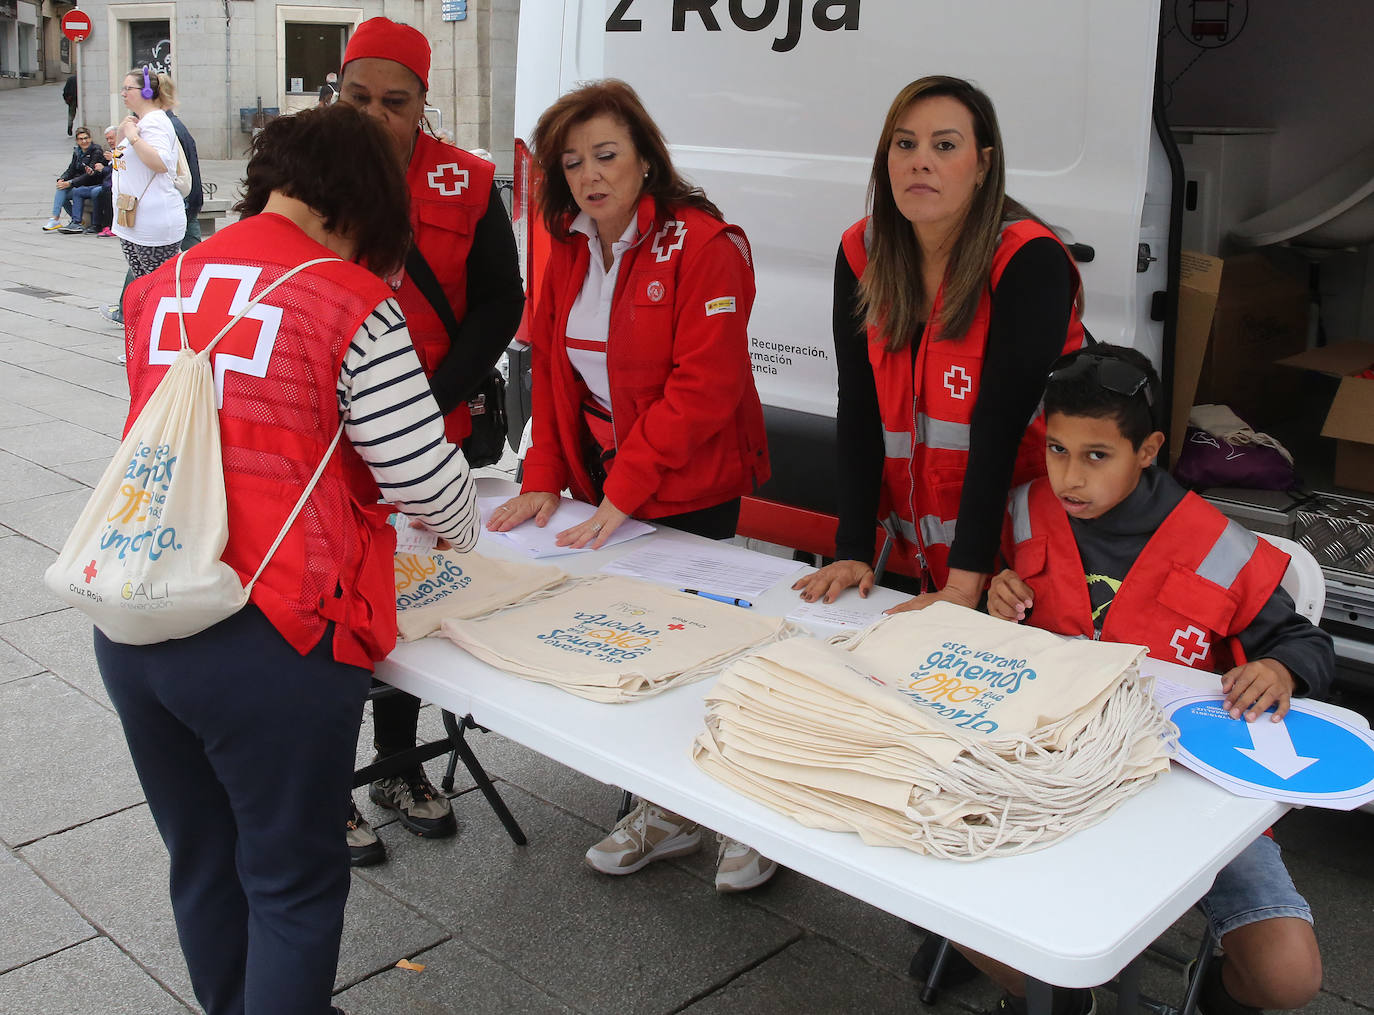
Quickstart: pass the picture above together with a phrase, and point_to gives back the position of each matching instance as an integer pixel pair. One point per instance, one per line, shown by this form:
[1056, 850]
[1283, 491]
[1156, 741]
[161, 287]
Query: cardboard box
[1235, 319]
[1350, 420]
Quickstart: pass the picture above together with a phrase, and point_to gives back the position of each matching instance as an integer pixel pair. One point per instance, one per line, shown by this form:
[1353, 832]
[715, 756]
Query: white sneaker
[646, 834]
[740, 867]
[52, 225]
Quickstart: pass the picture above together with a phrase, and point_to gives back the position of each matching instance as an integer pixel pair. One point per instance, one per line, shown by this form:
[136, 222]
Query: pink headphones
[147, 90]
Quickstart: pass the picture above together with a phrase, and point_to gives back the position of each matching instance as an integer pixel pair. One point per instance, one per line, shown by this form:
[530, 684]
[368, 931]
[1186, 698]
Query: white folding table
[1075, 914]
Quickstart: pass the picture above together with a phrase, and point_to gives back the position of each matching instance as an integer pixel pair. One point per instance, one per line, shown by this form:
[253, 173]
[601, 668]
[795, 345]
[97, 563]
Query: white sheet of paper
[1167, 692]
[845, 612]
[539, 542]
[723, 569]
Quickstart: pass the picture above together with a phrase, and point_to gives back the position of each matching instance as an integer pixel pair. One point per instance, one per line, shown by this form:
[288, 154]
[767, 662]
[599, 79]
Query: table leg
[456, 730]
[1128, 989]
[1039, 997]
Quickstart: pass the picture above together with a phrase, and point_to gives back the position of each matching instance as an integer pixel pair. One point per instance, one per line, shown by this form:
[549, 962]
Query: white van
[774, 107]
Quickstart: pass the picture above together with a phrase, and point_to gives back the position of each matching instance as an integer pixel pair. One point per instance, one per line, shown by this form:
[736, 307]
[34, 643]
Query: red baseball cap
[385, 39]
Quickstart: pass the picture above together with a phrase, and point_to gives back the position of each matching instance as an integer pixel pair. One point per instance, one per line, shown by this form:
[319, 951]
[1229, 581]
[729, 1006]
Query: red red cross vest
[278, 415]
[926, 431]
[662, 328]
[1197, 584]
[449, 190]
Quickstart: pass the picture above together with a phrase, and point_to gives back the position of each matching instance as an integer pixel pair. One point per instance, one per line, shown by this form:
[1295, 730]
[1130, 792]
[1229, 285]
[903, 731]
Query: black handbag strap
[423, 276]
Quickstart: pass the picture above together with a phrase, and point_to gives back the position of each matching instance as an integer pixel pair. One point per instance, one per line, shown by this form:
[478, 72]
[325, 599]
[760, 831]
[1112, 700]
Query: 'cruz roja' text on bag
[143, 560]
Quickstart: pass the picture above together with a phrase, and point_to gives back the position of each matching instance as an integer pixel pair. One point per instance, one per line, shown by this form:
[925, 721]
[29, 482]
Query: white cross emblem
[662, 246]
[1190, 645]
[254, 359]
[958, 382]
[448, 179]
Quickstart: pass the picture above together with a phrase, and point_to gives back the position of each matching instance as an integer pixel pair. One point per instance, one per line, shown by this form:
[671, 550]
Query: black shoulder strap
[423, 276]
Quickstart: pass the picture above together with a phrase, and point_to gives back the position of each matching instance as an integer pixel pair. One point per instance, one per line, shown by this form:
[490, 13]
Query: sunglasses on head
[1113, 374]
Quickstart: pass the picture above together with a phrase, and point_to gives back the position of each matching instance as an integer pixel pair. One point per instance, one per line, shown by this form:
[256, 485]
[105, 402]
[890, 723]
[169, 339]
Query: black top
[495, 303]
[80, 171]
[1029, 319]
[1109, 545]
[195, 200]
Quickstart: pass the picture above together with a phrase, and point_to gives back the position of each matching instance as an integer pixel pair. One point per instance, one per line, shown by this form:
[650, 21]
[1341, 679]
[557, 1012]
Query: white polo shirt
[589, 322]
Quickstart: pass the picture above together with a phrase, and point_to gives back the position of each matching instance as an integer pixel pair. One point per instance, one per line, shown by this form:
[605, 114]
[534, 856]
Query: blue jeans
[1254, 886]
[81, 195]
[61, 198]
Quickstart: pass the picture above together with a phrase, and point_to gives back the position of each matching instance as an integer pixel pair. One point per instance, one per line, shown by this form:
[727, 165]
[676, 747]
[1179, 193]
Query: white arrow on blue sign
[1309, 758]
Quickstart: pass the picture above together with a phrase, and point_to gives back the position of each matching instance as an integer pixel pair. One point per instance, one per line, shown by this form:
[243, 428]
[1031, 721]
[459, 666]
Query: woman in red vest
[644, 400]
[462, 297]
[951, 302]
[244, 735]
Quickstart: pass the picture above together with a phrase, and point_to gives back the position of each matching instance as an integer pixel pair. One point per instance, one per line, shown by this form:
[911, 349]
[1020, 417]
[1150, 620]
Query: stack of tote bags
[944, 731]
[614, 639]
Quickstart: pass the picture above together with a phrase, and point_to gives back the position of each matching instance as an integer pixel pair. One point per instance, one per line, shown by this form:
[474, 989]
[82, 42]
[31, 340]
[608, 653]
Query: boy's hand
[1009, 597]
[1252, 688]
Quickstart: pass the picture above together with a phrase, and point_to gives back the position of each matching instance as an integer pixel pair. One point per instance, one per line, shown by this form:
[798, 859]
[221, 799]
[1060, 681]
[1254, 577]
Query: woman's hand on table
[964, 588]
[538, 505]
[834, 578]
[595, 530]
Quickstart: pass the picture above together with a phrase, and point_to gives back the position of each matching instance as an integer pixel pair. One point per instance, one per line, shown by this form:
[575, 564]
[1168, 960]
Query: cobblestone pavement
[87, 929]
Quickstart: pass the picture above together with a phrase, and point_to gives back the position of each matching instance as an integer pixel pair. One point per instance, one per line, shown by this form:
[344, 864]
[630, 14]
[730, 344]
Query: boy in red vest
[1109, 546]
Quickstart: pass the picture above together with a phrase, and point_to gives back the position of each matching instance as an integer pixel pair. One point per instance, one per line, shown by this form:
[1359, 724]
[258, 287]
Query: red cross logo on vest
[448, 179]
[1190, 644]
[958, 382]
[221, 291]
[668, 239]
[89, 571]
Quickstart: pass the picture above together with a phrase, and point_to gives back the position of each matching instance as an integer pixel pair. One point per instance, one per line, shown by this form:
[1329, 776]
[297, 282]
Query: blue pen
[727, 600]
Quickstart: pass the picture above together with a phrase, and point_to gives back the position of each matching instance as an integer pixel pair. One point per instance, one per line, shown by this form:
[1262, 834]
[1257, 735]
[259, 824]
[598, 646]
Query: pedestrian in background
[104, 201]
[329, 91]
[69, 97]
[144, 170]
[81, 171]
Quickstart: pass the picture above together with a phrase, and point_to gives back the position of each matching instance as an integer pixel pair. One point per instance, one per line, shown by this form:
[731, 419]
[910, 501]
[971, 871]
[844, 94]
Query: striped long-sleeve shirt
[395, 425]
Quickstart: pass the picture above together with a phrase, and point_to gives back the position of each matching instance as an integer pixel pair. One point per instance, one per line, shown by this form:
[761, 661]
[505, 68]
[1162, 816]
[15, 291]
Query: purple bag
[1207, 460]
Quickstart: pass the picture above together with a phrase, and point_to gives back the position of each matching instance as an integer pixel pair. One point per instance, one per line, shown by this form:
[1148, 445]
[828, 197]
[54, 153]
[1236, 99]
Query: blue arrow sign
[1308, 758]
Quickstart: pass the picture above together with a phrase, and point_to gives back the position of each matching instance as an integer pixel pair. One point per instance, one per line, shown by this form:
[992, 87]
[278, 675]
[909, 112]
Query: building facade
[232, 58]
[21, 56]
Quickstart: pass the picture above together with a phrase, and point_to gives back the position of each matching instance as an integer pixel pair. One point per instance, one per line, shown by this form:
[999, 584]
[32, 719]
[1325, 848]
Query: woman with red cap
[462, 296]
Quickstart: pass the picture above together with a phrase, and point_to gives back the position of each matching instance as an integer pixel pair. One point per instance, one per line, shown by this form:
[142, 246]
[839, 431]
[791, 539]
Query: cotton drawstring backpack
[615, 639]
[143, 560]
[441, 585]
[943, 731]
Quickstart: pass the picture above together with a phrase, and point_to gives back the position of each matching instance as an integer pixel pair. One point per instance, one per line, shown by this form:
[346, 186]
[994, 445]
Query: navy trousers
[245, 750]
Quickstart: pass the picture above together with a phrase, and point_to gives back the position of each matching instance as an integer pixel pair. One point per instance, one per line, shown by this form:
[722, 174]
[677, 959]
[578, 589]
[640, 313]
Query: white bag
[440, 585]
[143, 560]
[182, 179]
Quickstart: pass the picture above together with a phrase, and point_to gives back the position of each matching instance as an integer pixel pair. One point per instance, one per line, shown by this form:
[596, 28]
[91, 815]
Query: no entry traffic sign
[1308, 758]
[76, 25]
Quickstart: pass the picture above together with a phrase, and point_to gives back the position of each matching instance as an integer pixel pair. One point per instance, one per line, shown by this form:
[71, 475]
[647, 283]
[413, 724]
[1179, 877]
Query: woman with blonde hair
[150, 216]
[951, 302]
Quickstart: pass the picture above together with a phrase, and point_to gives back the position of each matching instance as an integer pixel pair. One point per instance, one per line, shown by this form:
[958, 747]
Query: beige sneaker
[421, 808]
[646, 834]
[740, 867]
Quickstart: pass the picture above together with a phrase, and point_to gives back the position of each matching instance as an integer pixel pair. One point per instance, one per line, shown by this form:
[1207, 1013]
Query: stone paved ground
[86, 926]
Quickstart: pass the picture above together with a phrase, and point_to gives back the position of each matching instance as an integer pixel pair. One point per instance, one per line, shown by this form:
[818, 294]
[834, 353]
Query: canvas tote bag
[943, 731]
[143, 560]
[615, 639]
[436, 586]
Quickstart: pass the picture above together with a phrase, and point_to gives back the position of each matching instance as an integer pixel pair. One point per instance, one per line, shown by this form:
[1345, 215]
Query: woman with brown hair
[248, 797]
[644, 399]
[951, 302]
